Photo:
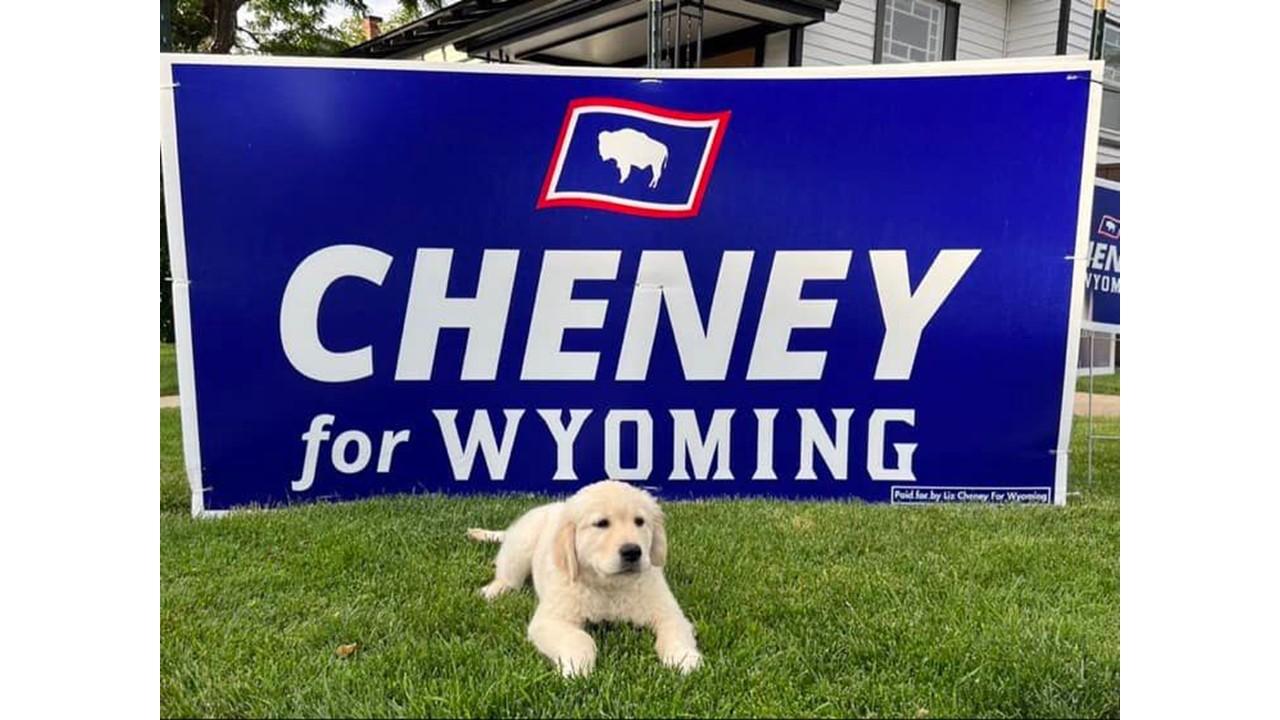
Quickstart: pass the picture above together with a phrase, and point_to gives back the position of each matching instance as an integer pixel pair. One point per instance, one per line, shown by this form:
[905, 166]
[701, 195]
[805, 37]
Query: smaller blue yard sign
[1103, 279]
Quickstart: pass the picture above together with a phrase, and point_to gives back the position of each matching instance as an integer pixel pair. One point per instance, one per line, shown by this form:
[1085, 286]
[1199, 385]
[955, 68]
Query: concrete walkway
[1103, 405]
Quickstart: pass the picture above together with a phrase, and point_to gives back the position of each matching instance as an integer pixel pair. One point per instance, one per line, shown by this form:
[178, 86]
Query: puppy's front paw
[491, 591]
[576, 664]
[684, 659]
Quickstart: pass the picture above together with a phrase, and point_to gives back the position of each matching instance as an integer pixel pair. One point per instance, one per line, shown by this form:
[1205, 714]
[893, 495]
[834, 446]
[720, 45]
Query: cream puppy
[595, 557]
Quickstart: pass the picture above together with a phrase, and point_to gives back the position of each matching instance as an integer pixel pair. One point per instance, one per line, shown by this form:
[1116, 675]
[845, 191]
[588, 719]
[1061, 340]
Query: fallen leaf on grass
[346, 651]
[922, 713]
[802, 522]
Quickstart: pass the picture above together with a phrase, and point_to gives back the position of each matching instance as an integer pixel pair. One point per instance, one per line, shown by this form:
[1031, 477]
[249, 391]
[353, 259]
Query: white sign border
[181, 282]
[170, 167]
[1080, 260]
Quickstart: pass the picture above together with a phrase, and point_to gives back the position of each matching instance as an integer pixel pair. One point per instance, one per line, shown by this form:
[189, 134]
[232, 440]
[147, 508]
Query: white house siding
[1033, 28]
[1080, 27]
[981, 33]
[846, 37]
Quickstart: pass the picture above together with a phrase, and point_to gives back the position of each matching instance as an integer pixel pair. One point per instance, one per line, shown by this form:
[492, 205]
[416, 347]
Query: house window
[1111, 79]
[916, 31]
[1111, 52]
[1111, 109]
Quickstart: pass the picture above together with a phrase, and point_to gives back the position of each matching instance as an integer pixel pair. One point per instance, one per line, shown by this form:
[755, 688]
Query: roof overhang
[584, 32]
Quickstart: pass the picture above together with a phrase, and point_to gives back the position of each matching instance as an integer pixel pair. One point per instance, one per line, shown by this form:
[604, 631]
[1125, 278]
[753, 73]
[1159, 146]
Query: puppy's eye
[639, 522]
[602, 523]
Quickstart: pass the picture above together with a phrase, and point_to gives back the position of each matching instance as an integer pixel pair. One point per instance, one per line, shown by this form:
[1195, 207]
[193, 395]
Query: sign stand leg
[1089, 474]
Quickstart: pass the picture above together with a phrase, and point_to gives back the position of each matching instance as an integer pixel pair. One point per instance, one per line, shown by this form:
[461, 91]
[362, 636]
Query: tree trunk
[222, 20]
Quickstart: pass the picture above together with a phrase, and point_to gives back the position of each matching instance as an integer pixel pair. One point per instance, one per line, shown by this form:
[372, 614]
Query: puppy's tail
[482, 535]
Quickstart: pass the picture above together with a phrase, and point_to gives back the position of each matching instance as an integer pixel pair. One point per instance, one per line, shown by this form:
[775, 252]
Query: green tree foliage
[276, 27]
[407, 13]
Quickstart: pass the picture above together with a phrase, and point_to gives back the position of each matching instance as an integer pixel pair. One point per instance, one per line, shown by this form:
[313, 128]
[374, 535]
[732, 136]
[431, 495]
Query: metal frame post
[655, 33]
[1090, 435]
[675, 37]
[1089, 474]
[1099, 28]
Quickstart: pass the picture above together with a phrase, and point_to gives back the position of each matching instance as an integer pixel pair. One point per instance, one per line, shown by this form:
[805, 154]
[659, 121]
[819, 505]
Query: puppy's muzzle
[630, 553]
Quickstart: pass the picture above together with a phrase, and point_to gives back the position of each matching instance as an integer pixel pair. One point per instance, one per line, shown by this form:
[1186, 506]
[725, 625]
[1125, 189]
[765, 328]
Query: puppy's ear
[566, 551]
[658, 551]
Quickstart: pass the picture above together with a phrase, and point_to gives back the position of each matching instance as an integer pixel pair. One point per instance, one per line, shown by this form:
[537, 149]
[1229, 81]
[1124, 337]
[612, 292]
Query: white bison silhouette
[630, 149]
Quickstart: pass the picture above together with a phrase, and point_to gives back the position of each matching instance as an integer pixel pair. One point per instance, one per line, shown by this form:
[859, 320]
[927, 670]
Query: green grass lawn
[802, 609]
[1102, 384]
[168, 370]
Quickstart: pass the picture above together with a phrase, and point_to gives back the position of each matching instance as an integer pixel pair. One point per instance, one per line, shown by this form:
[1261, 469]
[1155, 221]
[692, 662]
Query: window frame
[1110, 135]
[1110, 24]
[950, 30]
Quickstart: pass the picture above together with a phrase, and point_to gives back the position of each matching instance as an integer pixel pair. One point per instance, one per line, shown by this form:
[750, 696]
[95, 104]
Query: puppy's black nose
[630, 552]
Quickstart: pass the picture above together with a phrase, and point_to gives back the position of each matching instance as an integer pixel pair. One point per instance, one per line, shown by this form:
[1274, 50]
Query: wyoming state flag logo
[628, 157]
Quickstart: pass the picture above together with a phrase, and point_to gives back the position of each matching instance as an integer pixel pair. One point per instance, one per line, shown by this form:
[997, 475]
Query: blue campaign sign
[1103, 279]
[822, 283]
